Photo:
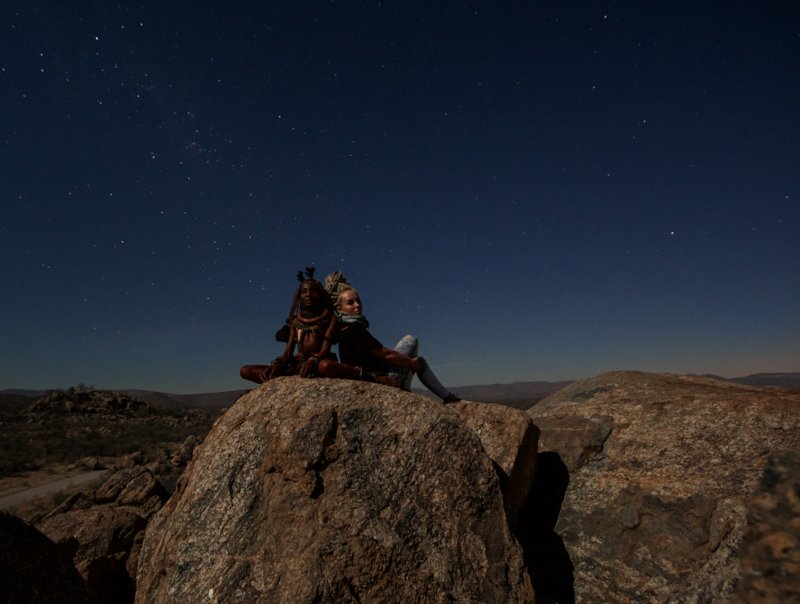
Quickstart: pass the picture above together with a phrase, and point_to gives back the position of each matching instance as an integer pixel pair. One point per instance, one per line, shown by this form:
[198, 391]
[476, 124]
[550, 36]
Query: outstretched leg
[431, 382]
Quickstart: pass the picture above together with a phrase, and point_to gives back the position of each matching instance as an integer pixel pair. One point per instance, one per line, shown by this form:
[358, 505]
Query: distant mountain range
[517, 394]
[782, 380]
[524, 395]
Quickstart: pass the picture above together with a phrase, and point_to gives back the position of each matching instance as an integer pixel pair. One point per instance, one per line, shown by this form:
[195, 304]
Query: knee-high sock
[431, 382]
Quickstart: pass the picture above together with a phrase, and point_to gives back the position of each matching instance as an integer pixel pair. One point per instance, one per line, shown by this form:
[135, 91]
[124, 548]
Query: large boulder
[329, 490]
[656, 473]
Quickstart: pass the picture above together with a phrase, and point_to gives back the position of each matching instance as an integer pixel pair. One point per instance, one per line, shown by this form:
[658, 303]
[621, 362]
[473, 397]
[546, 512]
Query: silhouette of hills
[209, 400]
[516, 394]
[782, 380]
[521, 395]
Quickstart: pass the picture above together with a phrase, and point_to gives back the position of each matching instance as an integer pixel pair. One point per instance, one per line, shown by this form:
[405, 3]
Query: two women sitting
[314, 329]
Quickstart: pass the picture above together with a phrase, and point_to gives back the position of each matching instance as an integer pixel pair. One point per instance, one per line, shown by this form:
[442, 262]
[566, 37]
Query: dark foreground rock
[771, 549]
[101, 531]
[327, 490]
[643, 487]
[34, 569]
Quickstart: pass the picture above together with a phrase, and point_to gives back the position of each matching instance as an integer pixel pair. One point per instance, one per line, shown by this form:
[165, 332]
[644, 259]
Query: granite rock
[329, 490]
[657, 473]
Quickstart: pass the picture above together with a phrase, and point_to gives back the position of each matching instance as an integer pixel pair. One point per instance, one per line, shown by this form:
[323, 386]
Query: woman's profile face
[350, 303]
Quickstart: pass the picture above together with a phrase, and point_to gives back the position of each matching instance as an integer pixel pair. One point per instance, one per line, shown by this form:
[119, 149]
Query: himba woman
[312, 329]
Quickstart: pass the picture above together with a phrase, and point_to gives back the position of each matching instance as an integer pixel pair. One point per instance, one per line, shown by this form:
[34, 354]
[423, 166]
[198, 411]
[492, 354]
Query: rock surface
[99, 540]
[33, 569]
[656, 472]
[329, 490]
[101, 532]
[511, 440]
[771, 549]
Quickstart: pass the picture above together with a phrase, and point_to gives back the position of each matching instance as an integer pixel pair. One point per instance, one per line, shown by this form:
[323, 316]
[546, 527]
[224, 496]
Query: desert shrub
[12, 467]
[29, 443]
[58, 498]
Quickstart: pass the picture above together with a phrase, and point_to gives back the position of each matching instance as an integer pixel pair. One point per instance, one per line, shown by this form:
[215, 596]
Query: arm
[361, 343]
[289, 348]
[309, 367]
[278, 366]
[329, 333]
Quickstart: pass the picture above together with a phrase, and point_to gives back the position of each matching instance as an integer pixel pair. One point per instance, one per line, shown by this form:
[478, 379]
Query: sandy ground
[37, 493]
[16, 493]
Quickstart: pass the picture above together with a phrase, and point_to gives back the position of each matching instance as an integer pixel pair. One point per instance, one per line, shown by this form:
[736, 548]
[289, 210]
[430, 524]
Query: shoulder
[357, 333]
[353, 330]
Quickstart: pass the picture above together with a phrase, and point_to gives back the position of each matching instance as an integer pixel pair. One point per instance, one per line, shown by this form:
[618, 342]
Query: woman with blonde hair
[364, 357]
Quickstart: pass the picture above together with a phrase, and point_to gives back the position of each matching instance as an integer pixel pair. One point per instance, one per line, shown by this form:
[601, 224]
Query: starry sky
[538, 190]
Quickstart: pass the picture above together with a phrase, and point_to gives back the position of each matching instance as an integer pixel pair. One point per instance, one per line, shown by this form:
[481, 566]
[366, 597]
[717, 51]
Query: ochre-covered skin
[312, 332]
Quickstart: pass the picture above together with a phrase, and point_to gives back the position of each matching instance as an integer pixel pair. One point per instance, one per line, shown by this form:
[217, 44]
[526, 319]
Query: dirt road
[15, 499]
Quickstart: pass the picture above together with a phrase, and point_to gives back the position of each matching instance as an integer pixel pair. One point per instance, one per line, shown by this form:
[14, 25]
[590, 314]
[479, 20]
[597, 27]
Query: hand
[309, 368]
[417, 364]
[277, 368]
[266, 374]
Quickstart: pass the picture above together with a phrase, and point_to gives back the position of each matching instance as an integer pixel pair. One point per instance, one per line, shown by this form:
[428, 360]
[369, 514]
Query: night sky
[537, 190]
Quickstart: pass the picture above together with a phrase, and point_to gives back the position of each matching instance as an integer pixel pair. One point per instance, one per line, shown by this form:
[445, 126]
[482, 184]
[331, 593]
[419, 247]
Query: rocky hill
[86, 401]
[657, 473]
[212, 401]
[64, 426]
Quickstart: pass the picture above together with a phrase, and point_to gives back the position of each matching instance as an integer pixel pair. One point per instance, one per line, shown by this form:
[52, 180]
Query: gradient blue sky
[537, 190]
